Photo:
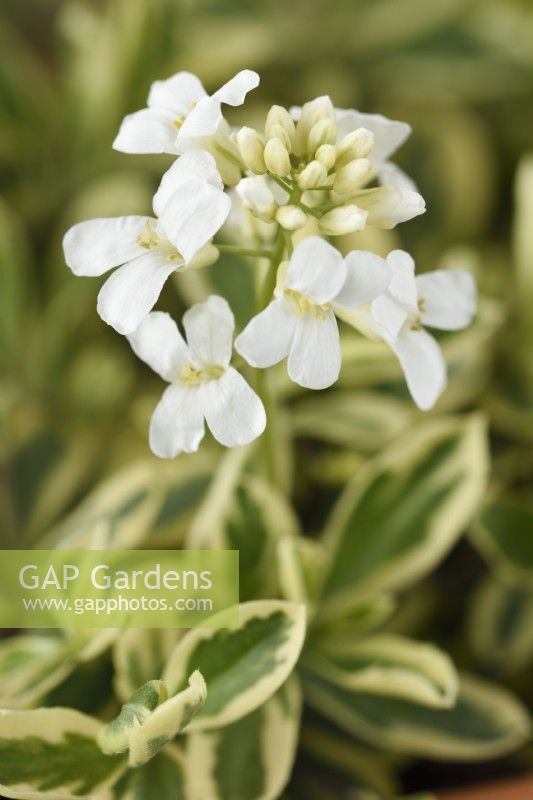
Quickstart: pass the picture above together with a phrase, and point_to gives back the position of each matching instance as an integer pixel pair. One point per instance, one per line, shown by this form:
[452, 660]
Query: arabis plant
[313, 173]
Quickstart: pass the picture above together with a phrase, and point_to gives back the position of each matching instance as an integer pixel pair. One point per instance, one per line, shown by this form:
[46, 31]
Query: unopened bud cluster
[321, 175]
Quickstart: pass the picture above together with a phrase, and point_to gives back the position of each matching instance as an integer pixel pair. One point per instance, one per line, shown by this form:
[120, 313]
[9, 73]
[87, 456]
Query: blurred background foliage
[75, 403]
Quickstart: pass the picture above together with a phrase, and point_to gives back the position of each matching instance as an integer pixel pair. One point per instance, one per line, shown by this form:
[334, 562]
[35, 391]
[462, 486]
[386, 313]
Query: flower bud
[342, 220]
[257, 198]
[314, 174]
[323, 132]
[356, 144]
[279, 117]
[326, 154]
[310, 114]
[352, 176]
[291, 217]
[278, 132]
[277, 158]
[251, 147]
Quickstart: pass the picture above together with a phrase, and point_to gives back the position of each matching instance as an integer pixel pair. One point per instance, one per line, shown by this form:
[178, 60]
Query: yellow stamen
[305, 306]
[192, 375]
[148, 238]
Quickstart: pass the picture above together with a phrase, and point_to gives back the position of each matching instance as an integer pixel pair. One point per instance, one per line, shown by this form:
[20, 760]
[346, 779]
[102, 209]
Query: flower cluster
[317, 170]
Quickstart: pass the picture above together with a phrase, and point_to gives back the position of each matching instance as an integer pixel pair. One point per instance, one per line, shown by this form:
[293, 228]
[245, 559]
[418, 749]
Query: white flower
[300, 322]
[444, 299]
[190, 206]
[180, 110]
[202, 384]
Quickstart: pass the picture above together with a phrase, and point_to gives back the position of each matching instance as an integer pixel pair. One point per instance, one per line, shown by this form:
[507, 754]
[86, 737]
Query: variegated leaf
[163, 778]
[364, 421]
[148, 721]
[242, 512]
[503, 532]
[52, 754]
[500, 626]
[250, 759]
[242, 666]
[140, 655]
[405, 509]
[390, 666]
[485, 722]
[30, 666]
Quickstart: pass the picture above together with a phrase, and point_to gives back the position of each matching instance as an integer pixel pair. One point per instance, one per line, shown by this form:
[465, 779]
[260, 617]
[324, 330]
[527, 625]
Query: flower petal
[131, 292]
[256, 194]
[193, 214]
[448, 298]
[149, 130]
[423, 365]
[202, 120]
[177, 93]
[97, 245]
[234, 413]
[316, 269]
[389, 134]
[235, 90]
[390, 174]
[367, 276]
[268, 336]
[388, 206]
[315, 355]
[389, 314]
[177, 424]
[403, 283]
[158, 342]
[194, 164]
[209, 330]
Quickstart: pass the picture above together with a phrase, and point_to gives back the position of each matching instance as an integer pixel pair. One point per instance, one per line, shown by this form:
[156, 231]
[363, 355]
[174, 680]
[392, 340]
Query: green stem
[268, 439]
[244, 251]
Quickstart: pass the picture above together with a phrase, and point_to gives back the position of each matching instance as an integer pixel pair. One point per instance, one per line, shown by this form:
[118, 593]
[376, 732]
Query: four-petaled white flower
[202, 384]
[300, 322]
[179, 112]
[190, 206]
[443, 299]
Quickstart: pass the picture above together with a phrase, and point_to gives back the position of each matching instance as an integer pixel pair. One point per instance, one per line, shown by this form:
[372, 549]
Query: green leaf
[405, 509]
[140, 655]
[485, 722]
[243, 512]
[163, 777]
[251, 759]
[500, 626]
[148, 721]
[242, 666]
[51, 753]
[389, 665]
[503, 532]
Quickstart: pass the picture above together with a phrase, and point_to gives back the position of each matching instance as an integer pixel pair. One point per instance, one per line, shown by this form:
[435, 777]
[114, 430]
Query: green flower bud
[314, 174]
[323, 132]
[251, 147]
[356, 144]
[342, 220]
[326, 154]
[277, 158]
[279, 117]
[352, 176]
[291, 217]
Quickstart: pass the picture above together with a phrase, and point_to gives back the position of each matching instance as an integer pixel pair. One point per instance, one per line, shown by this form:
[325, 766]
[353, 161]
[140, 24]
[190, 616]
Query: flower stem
[268, 439]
